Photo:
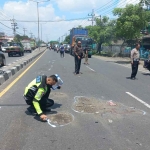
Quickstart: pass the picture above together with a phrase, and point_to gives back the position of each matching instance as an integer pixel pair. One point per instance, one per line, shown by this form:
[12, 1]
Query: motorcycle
[147, 64]
[57, 49]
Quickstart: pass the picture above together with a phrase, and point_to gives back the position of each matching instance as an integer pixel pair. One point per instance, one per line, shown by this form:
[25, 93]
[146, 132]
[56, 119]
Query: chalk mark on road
[139, 100]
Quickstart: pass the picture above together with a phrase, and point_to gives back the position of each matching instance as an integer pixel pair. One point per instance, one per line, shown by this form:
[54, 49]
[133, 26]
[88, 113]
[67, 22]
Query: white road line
[90, 68]
[141, 101]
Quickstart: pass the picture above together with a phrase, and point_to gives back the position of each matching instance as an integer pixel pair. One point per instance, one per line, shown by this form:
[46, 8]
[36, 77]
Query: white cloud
[123, 3]
[79, 5]
[28, 11]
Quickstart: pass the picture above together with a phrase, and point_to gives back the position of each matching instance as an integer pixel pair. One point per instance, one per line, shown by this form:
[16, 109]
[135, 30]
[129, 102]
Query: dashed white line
[139, 100]
[90, 68]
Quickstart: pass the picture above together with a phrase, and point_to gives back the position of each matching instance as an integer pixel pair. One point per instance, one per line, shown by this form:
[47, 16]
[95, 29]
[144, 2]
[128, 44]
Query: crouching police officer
[37, 93]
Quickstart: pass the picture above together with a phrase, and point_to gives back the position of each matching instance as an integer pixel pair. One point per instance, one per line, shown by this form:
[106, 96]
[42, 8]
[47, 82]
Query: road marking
[141, 101]
[12, 83]
[90, 68]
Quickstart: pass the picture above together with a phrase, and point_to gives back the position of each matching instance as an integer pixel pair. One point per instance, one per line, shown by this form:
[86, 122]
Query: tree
[67, 39]
[19, 38]
[102, 32]
[132, 19]
[79, 26]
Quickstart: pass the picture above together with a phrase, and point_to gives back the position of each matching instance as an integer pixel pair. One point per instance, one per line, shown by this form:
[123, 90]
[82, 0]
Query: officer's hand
[43, 117]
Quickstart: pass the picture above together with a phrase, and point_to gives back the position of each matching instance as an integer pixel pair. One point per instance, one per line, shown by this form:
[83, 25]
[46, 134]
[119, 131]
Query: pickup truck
[15, 48]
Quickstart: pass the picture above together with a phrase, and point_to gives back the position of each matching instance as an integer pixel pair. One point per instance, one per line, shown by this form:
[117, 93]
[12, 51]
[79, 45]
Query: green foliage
[103, 31]
[67, 39]
[19, 38]
[131, 20]
[54, 42]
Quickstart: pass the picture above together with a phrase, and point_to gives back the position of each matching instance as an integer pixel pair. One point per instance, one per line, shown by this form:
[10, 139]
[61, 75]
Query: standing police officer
[135, 58]
[78, 54]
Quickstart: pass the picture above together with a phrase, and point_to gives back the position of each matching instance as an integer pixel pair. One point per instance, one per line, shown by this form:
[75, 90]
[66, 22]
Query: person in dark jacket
[36, 95]
[62, 50]
[78, 54]
[86, 55]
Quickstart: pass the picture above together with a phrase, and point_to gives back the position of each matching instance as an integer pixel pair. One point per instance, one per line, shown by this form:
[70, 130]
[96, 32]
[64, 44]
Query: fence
[124, 51]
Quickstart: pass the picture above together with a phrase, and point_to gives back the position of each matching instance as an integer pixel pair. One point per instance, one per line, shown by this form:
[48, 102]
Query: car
[15, 48]
[67, 48]
[4, 46]
[2, 59]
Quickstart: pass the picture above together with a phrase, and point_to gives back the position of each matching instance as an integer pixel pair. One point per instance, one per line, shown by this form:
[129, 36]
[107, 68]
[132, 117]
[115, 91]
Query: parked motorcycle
[147, 64]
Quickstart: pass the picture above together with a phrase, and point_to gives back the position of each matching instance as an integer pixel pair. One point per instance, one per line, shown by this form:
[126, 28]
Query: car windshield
[4, 45]
[14, 44]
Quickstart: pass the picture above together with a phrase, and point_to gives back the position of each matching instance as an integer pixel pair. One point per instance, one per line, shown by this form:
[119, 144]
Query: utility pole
[14, 26]
[92, 15]
[41, 32]
[24, 29]
[31, 34]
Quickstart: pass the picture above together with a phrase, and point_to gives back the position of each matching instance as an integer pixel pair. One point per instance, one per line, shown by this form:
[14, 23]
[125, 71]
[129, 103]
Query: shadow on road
[120, 62]
[123, 62]
[56, 105]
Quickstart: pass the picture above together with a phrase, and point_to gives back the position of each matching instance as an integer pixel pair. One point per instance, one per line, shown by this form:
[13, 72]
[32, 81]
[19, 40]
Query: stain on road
[60, 119]
[104, 108]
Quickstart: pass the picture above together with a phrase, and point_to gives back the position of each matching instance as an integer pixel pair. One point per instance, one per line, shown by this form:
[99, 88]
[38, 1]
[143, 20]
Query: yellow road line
[12, 83]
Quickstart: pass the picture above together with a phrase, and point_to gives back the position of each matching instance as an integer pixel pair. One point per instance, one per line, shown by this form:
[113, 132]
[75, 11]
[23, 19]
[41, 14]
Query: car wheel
[3, 62]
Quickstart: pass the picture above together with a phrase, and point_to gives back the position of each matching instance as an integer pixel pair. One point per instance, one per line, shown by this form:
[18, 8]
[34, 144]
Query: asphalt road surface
[120, 124]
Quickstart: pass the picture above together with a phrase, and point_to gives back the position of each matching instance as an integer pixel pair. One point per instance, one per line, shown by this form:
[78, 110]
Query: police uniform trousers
[77, 64]
[44, 102]
[135, 66]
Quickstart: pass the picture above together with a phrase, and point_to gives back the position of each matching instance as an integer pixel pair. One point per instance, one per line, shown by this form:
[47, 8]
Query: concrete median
[7, 72]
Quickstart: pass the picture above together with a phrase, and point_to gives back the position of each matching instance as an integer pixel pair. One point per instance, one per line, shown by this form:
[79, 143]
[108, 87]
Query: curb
[10, 72]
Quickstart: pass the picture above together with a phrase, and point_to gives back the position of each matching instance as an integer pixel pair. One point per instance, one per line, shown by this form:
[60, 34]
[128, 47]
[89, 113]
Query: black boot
[32, 110]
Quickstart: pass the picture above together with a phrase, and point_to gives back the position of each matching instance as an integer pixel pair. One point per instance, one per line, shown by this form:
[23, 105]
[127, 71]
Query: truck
[15, 48]
[80, 34]
[33, 44]
[27, 46]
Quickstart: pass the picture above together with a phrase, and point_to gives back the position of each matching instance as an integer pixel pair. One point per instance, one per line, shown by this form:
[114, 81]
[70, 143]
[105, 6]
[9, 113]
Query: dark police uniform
[78, 51]
[36, 94]
[135, 58]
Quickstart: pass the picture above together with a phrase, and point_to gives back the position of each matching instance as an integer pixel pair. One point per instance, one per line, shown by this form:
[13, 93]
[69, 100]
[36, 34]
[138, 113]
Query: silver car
[2, 59]
[4, 46]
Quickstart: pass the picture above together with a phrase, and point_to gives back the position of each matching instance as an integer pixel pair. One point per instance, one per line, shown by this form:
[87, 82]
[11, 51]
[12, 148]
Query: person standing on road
[135, 60]
[0, 46]
[86, 55]
[78, 54]
[62, 50]
[36, 95]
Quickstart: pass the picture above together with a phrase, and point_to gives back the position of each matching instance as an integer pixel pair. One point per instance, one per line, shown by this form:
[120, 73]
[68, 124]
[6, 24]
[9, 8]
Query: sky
[75, 12]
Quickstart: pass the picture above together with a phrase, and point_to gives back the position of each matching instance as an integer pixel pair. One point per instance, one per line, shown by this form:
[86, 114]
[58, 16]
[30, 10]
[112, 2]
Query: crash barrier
[6, 74]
